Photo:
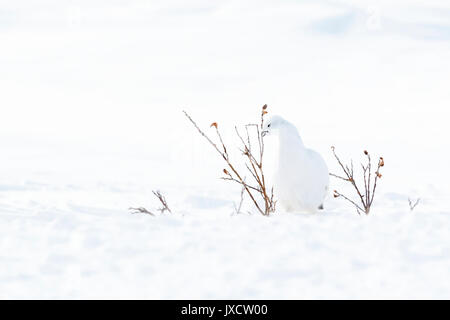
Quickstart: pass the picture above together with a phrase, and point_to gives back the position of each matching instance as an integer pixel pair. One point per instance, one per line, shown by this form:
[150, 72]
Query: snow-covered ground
[91, 96]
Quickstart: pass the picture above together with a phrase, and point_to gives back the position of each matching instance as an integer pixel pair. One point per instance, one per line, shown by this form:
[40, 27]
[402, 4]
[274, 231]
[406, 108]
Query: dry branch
[141, 210]
[237, 208]
[412, 204]
[367, 195]
[253, 164]
[161, 199]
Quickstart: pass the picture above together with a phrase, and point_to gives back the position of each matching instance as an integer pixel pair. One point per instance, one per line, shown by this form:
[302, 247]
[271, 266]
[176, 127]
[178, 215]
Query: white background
[91, 100]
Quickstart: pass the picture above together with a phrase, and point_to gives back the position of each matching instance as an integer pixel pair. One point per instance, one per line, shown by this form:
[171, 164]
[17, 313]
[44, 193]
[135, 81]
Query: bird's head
[273, 125]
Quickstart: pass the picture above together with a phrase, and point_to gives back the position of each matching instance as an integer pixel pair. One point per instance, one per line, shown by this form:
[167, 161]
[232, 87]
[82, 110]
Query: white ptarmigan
[301, 178]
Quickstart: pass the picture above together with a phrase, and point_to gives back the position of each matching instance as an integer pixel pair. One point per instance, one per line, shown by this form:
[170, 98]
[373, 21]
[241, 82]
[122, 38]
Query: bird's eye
[268, 126]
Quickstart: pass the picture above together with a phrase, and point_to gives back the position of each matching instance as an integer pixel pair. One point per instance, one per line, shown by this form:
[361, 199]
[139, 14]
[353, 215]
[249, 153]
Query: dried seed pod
[214, 124]
[381, 162]
[225, 171]
[365, 152]
[264, 112]
[264, 107]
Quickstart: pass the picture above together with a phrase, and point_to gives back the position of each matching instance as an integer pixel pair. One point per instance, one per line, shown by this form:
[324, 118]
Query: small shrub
[253, 161]
[366, 195]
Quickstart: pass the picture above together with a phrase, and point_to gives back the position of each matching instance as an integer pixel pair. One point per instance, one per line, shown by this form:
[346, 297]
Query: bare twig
[412, 204]
[161, 199]
[141, 210]
[367, 197]
[358, 208]
[237, 209]
[336, 176]
[241, 183]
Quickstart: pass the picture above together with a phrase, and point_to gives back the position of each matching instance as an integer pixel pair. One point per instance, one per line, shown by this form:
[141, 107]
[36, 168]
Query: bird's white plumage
[301, 177]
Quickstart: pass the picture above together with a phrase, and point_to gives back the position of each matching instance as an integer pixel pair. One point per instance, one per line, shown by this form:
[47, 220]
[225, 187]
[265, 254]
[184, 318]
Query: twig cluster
[254, 164]
[161, 199]
[237, 208]
[413, 204]
[367, 194]
[140, 210]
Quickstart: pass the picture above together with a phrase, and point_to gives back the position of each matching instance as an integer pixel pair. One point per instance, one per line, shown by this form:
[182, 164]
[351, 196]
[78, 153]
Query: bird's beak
[264, 133]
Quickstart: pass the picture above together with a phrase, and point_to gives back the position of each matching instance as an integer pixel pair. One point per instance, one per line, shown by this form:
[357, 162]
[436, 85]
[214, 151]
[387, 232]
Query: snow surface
[91, 123]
